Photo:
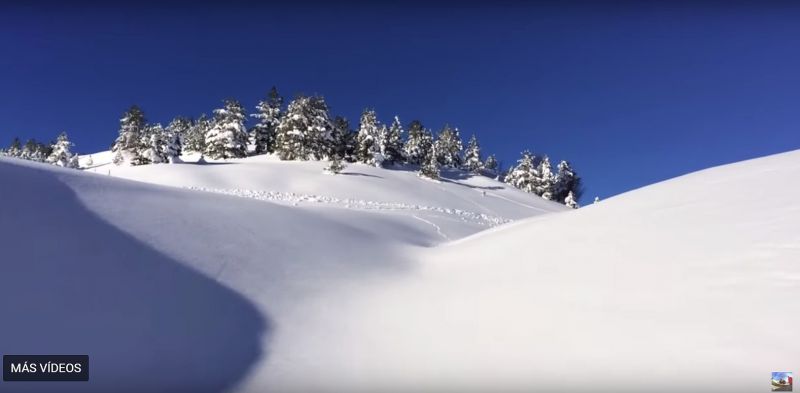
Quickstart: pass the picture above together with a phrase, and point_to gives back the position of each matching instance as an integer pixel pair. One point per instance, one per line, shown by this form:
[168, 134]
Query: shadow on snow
[74, 284]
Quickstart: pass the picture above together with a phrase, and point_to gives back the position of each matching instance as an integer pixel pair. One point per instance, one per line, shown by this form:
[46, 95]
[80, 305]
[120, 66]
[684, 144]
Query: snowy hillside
[680, 286]
[685, 285]
[458, 205]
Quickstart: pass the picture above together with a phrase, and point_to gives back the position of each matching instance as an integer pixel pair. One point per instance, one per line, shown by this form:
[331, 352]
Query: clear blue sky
[630, 93]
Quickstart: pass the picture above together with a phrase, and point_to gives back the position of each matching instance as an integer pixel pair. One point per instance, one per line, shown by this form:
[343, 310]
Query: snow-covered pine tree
[227, 137]
[318, 137]
[336, 165]
[491, 166]
[268, 113]
[596, 199]
[342, 139]
[449, 147]
[523, 175]
[292, 128]
[62, 151]
[419, 143]
[566, 181]
[430, 165]
[176, 133]
[570, 201]
[43, 151]
[472, 156]
[305, 131]
[173, 145]
[128, 144]
[392, 146]
[25, 152]
[368, 140]
[383, 134]
[73, 162]
[195, 138]
[545, 185]
[154, 146]
[29, 150]
[15, 149]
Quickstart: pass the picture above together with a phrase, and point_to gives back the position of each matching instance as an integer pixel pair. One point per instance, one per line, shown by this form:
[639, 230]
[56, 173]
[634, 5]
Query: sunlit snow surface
[379, 281]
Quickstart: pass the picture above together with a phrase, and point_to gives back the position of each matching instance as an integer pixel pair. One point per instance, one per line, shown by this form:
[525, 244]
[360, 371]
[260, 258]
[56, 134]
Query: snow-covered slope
[195, 289]
[458, 205]
[686, 285]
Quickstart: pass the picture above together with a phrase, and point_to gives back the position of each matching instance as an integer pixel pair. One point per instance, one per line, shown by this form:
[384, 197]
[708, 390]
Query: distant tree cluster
[535, 175]
[58, 152]
[305, 130]
[140, 143]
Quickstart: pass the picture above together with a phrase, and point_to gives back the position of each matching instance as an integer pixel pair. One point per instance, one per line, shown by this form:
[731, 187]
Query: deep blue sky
[630, 93]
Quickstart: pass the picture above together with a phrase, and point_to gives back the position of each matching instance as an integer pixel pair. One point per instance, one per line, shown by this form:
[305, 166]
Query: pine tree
[566, 181]
[291, 131]
[62, 151]
[43, 151]
[596, 199]
[15, 149]
[419, 143]
[305, 131]
[336, 165]
[153, 145]
[268, 114]
[173, 145]
[318, 138]
[195, 139]
[26, 151]
[368, 148]
[30, 151]
[227, 137]
[379, 159]
[523, 176]
[545, 185]
[73, 162]
[491, 165]
[430, 166]
[176, 133]
[392, 146]
[342, 139]
[449, 147]
[570, 201]
[472, 156]
[129, 143]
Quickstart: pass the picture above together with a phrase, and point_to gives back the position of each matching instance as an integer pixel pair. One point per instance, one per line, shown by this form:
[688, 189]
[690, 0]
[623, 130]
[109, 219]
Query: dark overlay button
[45, 367]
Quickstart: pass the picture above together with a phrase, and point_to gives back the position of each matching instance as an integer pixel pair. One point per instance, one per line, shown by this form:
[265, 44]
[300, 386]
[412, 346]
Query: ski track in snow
[492, 194]
[295, 199]
[438, 228]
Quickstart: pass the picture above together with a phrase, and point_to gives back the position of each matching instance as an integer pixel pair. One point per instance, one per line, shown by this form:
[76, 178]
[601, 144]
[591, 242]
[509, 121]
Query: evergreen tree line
[304, 130]
[58, 152]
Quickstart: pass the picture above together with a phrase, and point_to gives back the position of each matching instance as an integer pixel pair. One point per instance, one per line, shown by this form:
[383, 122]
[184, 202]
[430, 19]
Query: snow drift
[686, 285]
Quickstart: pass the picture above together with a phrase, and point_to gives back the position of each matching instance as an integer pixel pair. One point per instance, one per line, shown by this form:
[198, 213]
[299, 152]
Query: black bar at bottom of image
[45, 367]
